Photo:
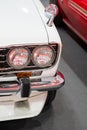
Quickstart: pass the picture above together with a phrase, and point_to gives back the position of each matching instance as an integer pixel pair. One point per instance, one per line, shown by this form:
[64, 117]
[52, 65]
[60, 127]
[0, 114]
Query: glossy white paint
[11, 109]
[53, 37]
[24, 22]
[20, 23]
[39, 32]
[52, 32]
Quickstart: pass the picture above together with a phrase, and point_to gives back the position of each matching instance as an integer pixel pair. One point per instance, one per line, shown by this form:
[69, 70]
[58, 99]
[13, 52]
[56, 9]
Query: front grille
[3, 62]
[6, 68]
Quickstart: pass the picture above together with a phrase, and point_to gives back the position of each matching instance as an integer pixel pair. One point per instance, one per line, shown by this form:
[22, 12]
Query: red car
[74, 14]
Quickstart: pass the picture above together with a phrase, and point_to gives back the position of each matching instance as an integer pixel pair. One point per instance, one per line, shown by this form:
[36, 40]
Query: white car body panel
[53, 36]
[24, 22]
[20, 23]
[18, 11]
[23, 109]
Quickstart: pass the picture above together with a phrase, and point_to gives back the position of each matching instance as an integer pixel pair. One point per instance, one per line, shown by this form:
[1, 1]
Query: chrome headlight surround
[43, 56]
[18, 57]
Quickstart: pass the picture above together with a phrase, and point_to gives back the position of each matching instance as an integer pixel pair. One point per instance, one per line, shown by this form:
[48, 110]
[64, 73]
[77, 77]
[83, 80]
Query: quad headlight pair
[41, 56]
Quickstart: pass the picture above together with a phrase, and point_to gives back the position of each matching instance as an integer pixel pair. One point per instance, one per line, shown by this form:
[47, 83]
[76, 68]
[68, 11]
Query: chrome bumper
[25, 85]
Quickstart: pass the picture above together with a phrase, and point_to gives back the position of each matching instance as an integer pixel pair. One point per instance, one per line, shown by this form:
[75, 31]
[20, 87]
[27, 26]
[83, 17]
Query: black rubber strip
[25, 90]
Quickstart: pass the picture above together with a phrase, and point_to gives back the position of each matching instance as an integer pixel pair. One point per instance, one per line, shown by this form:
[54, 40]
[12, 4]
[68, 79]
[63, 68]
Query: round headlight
[18, 58]
[43, 56]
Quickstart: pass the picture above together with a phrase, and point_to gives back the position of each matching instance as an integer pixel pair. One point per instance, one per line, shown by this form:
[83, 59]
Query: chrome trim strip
[49, 83]
[2, 61]
[2, 55]
[79, 8]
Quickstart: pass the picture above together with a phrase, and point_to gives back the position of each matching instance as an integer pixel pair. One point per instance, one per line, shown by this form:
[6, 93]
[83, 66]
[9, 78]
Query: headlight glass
[43, 56]
[19, 58]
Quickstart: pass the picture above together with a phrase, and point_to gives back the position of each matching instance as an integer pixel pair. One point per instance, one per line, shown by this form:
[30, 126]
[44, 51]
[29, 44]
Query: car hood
[20, 22]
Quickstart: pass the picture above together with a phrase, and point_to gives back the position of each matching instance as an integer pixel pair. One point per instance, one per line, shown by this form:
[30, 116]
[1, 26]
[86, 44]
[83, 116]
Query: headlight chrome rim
[27, 61]
[52, 58]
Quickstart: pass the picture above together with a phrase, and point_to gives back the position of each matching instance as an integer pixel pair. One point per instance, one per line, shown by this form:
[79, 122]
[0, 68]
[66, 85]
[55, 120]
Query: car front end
[30, 52]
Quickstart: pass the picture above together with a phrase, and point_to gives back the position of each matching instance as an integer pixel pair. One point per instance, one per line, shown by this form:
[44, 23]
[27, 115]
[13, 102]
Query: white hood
[20, 23]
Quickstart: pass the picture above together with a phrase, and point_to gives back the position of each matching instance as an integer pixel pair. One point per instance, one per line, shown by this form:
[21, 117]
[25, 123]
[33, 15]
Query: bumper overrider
[24, 85]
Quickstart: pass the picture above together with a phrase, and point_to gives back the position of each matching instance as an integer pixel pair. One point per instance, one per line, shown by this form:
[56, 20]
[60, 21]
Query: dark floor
[69, 109]
[74, 52]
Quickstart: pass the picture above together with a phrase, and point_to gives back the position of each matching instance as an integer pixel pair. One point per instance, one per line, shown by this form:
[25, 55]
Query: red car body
[74, 14]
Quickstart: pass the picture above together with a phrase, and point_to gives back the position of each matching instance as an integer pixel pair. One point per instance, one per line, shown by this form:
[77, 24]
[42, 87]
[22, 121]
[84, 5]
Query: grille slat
[2, 59]
[3, 62]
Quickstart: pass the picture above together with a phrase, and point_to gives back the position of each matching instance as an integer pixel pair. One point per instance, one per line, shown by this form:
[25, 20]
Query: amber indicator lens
[24, 74]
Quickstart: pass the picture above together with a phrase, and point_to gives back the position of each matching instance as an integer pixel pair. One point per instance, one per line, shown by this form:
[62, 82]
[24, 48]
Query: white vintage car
[30, 50]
